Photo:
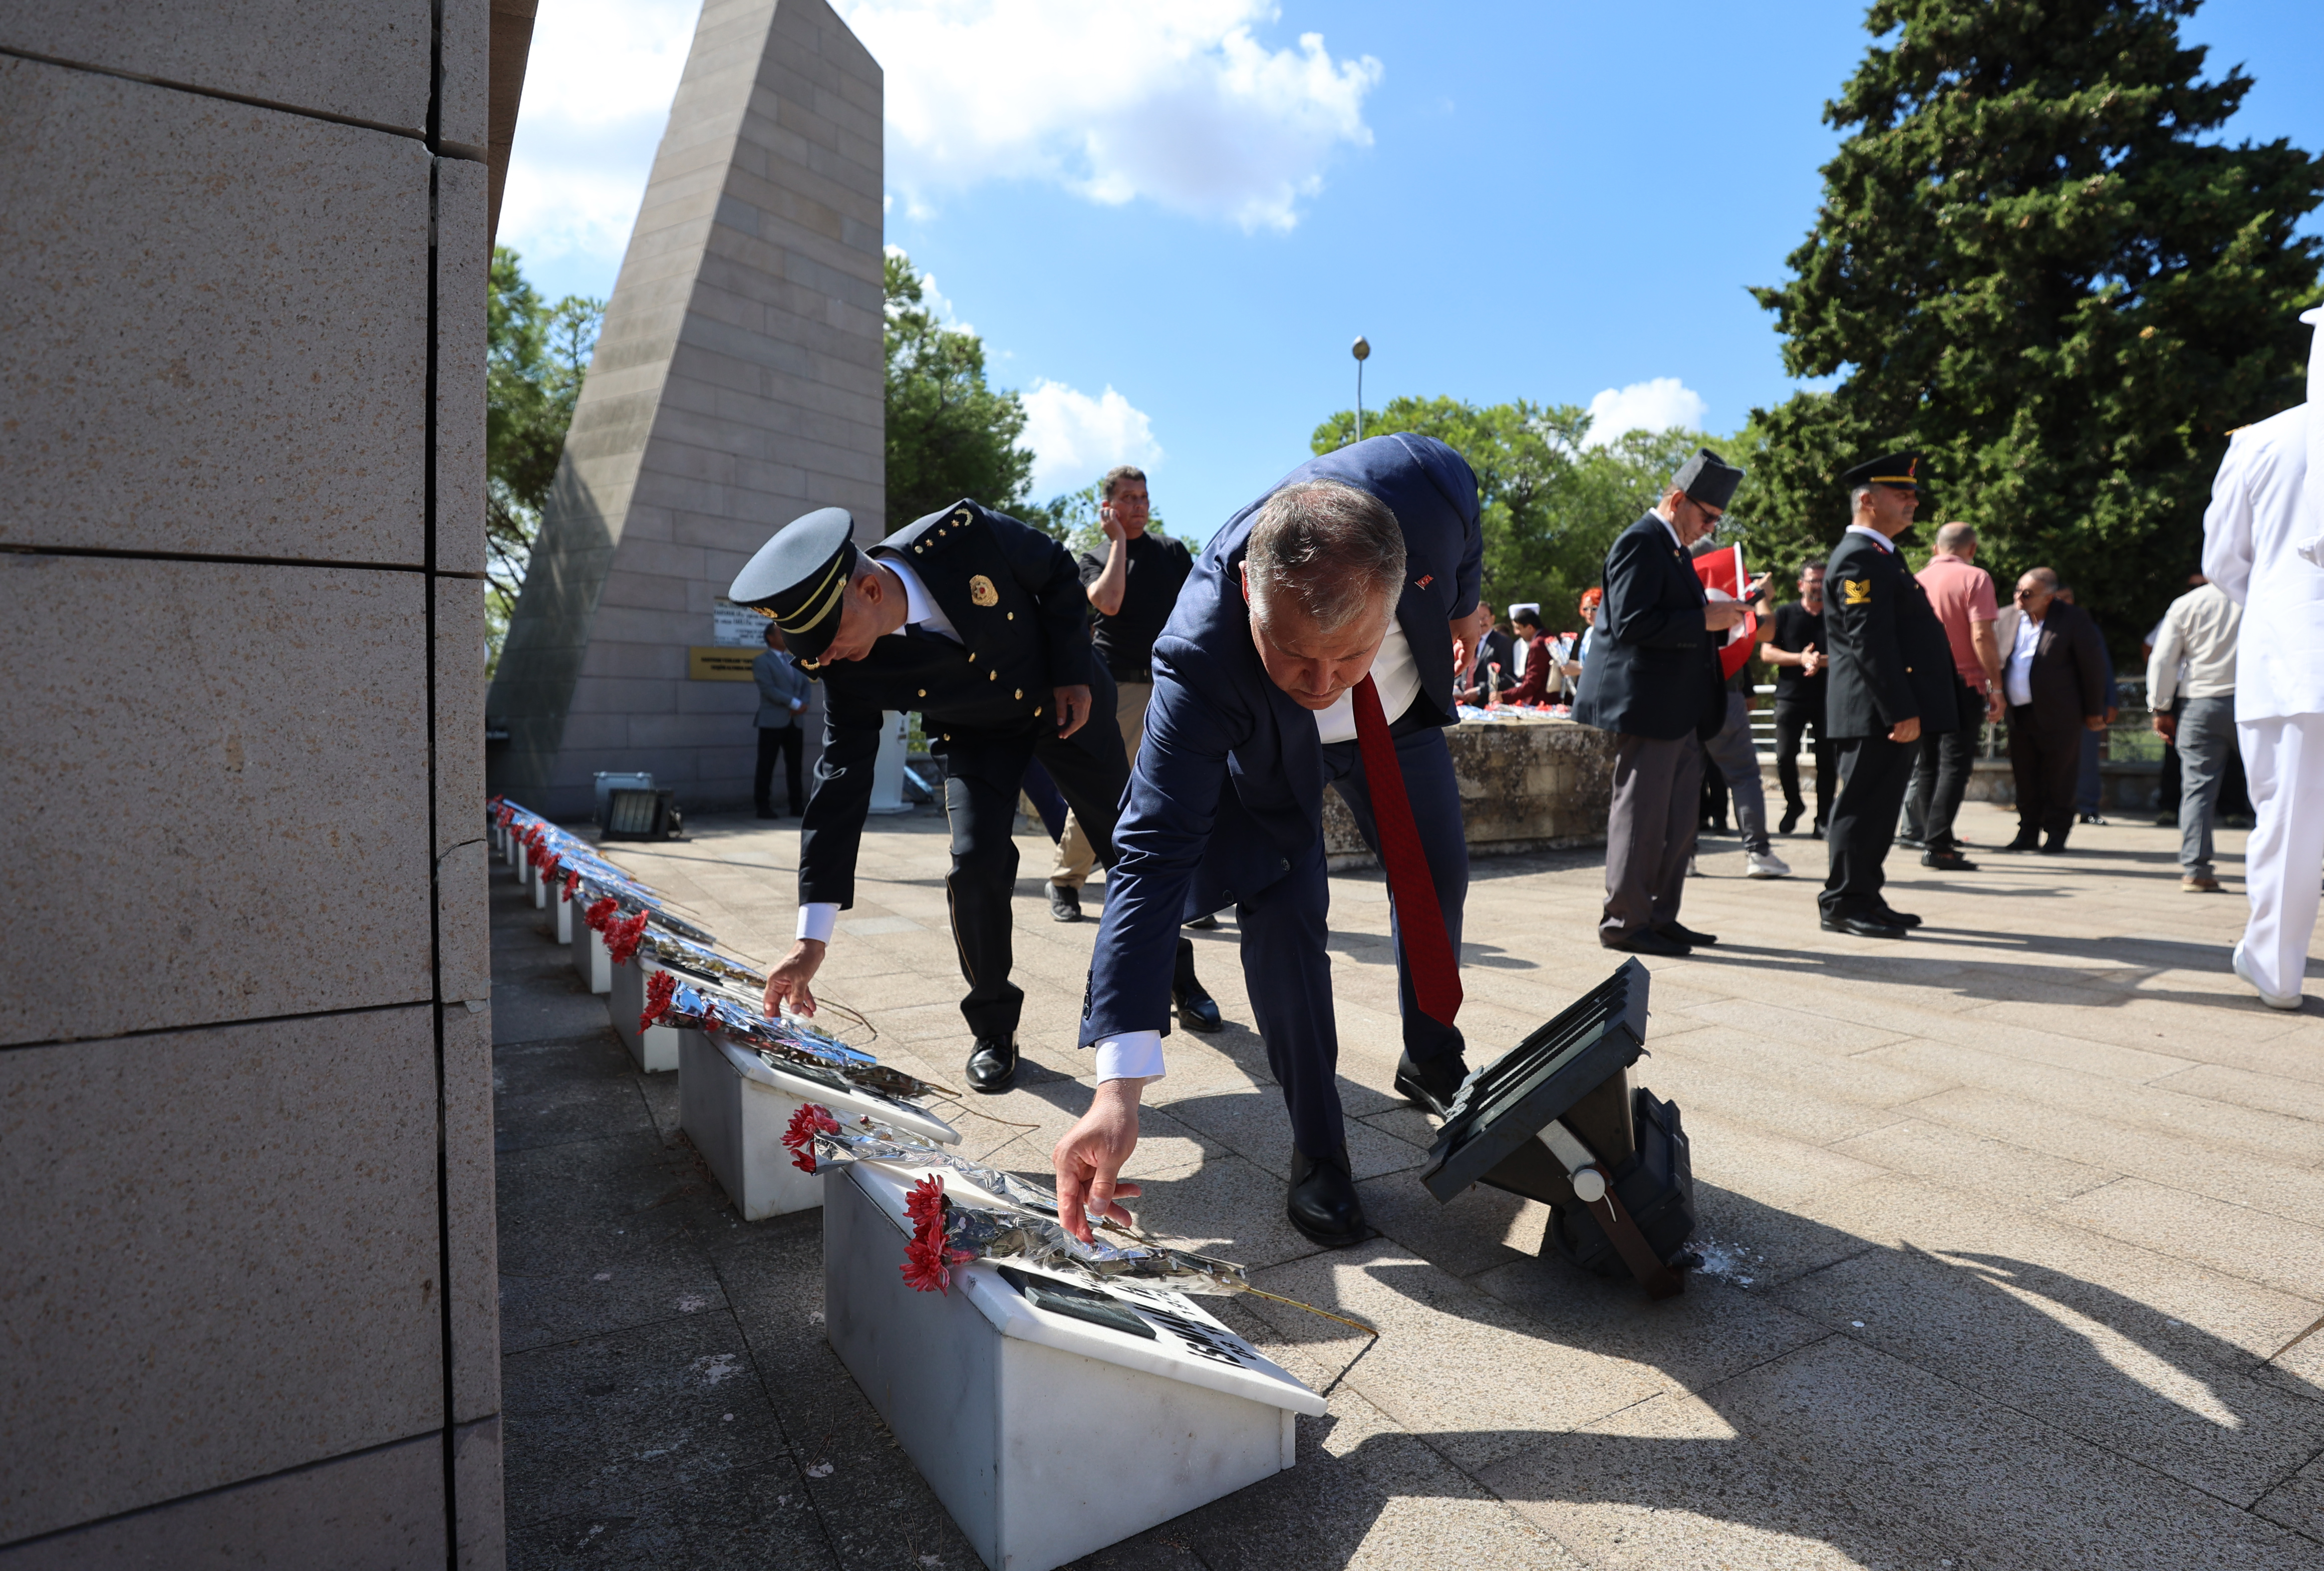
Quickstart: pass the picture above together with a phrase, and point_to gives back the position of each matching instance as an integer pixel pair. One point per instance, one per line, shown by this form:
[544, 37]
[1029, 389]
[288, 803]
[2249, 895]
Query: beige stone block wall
[1536, 786]
[248, 1294]
[739, 381]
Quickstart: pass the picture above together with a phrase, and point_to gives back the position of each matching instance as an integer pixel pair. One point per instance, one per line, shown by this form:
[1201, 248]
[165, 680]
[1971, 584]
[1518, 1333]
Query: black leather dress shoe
[1863, 927]
[1064, 904]
[1433, 1082]
[1896, 918]
[1685, 935]
[992, 1065]
[1197, 1010]
[2024, 843]
[1949, 861]
[2055, 846]
[1210, 920]
[1322, 1203]
[1791, 821]
[1647, 942]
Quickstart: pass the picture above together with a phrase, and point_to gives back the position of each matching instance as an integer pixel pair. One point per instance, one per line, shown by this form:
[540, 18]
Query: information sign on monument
[736, 626]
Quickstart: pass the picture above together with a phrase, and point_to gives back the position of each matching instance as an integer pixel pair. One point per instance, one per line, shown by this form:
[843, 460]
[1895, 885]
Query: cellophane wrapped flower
[600, 912]
[661, 988]
[930, 1256]
[808, 1122]
[622, 940]
[572, 883]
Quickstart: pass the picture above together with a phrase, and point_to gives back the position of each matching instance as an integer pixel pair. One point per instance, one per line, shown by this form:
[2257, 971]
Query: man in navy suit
[1332, 606]
[1653, 679]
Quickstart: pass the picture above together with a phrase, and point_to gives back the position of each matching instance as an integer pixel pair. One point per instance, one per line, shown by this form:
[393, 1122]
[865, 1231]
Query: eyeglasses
[2028, 594]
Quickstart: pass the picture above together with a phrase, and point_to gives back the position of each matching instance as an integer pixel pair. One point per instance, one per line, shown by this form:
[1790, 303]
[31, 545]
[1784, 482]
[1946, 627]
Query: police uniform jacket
[1890, 659]
[1229, 783]
[1653, 668]
[1016, 596]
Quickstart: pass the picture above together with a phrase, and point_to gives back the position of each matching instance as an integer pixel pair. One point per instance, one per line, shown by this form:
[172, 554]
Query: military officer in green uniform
[981, 625]
[1891, 680]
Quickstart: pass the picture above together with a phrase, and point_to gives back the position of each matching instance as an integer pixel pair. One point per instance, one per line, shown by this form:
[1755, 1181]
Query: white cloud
[1075, 438]
[597, 89]
[1644, 406]
[1112, 99]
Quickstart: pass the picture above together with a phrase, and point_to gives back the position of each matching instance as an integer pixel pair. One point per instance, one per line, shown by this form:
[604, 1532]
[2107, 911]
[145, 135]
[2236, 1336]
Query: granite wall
[1530, 786]
[248, 1296]
[739, 381]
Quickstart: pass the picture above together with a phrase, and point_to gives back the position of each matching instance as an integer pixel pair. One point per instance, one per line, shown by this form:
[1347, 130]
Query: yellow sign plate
[716, 664]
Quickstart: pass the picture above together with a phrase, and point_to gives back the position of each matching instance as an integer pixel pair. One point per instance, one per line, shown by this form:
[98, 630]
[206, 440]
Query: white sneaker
[1691, 870]
[2273, 999]
[1766, 864]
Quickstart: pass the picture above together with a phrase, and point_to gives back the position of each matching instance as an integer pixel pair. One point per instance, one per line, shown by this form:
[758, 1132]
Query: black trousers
[2046, 764]
[1873, 774]
[1791, 720]
[790, 742]
[984, 773]
[1942, 771]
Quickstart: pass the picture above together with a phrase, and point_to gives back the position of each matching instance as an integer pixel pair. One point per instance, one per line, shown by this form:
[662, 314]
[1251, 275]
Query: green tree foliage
[2037, 262]
[1551, 504]
[536, 357]
[949, 435]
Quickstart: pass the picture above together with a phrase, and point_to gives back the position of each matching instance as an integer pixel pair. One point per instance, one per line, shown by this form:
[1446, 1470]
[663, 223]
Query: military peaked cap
[798, 579]
[1708, 478]
[1902, 470]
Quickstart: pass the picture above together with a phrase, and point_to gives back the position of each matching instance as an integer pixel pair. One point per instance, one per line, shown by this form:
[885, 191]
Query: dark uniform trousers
[1790, 721]
[1874, 773]
[1284, 928]
[786, 743]
[1941, 774]
[984, 770]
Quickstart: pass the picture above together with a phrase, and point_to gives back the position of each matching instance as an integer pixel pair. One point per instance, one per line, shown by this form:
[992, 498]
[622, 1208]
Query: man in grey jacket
[2198, 637]
[782, 694]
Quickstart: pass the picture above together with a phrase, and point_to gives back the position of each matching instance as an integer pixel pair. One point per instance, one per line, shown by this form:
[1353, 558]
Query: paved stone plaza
[2002, 1222]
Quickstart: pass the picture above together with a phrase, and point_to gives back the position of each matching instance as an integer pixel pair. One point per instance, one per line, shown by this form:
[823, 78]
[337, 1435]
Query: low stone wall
[1530, 786]
[2130, 786]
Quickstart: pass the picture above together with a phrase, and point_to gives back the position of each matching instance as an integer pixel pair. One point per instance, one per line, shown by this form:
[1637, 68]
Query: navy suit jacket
[1653, 668]
[1229, 784]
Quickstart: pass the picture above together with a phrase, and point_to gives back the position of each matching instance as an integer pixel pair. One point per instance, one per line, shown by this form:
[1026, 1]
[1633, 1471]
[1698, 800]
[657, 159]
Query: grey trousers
[1650, 831]
[1739, 761]
[2206, 738]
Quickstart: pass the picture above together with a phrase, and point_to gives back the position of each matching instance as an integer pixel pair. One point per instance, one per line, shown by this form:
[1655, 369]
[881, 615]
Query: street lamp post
[1362, 351]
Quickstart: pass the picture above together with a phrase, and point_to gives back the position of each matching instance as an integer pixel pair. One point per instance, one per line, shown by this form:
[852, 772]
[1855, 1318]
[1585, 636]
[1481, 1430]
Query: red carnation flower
[928, 1258]
[661, 988]
[600, 912]
[925, 1203]
[572, 882]
[805, 1123]
[622, 939]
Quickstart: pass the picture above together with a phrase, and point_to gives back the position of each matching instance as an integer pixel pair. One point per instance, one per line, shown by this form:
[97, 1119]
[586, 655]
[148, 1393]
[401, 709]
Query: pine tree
[2037, 263]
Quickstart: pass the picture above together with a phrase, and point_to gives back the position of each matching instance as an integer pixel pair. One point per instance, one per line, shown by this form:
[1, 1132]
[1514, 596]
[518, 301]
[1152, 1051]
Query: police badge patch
[981, 591]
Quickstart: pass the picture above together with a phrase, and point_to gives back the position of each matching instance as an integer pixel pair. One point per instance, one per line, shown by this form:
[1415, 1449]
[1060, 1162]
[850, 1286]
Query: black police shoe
[1065, 903]
[1433, 1082]
[1791, 820]
[2055, 846]
[992, 1065]
[1684, 935]
[1647, 942]
[2024, 843]
[1948, 861]
[1896, 918]
[1323, 1203]
[1210, 920]
[1875, 926]
[1197, 1010]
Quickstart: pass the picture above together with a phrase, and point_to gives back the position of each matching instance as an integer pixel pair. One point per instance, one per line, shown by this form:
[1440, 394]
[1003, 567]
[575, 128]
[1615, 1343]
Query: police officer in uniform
[1892, 680]
[979, 624]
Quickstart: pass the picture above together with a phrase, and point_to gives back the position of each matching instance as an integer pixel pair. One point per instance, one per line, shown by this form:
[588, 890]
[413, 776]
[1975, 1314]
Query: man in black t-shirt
[1132, 588]
[1797, 652]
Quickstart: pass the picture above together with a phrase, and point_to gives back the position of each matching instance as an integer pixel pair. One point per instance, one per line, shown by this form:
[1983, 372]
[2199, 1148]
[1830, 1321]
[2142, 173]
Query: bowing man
[980, 625]
[1653, 679]
[1315, 644]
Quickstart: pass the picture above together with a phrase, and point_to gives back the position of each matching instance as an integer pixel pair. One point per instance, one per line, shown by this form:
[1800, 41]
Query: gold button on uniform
[1020, 692]
[1036, 709]
[923, 692]
[1012, 616]
[992, 676]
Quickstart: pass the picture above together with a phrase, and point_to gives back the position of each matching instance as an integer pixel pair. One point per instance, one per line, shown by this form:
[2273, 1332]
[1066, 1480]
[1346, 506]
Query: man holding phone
[979, 624]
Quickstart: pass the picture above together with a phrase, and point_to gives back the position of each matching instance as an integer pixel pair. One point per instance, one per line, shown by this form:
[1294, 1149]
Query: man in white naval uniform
[2264, 546]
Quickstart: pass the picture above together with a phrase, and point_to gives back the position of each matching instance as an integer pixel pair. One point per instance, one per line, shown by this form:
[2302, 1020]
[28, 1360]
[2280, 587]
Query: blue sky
[1169, 223]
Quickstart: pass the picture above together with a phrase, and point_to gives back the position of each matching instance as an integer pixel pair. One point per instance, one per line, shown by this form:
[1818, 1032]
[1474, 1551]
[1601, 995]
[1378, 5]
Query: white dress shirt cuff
[817, 918]
[1132, 1055]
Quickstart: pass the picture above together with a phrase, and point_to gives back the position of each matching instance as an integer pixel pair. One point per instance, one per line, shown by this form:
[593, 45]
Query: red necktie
[1419, 919]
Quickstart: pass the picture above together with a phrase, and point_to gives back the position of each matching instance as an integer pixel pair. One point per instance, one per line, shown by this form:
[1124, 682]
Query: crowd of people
[1187, 710]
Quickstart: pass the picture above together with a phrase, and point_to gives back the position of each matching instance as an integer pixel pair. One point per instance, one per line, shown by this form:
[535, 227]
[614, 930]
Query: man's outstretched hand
[1090, 1156]
[788, 981]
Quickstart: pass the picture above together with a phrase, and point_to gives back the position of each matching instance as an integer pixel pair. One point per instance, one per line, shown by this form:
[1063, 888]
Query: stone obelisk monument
[737, 384]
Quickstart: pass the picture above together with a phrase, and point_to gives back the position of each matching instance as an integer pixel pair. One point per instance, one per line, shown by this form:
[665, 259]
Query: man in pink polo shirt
[1962, 596]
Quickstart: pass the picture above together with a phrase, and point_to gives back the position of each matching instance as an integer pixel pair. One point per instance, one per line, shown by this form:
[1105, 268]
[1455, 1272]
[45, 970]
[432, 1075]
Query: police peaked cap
[799, 579]
[1902, 470]
[1708, 478]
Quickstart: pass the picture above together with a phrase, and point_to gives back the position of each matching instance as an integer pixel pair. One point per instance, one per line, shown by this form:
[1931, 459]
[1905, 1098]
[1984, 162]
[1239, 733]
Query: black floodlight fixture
[634, 814]
[1557, 1120]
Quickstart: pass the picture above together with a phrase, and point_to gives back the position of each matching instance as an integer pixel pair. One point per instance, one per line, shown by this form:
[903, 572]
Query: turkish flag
[1723, 578]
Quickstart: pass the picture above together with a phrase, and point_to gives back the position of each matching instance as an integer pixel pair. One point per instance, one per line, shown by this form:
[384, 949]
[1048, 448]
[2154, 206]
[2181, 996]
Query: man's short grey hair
[2046, 577]
[1327, 548]
[1856, 497]
[1116, 476]
[1954, 536]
